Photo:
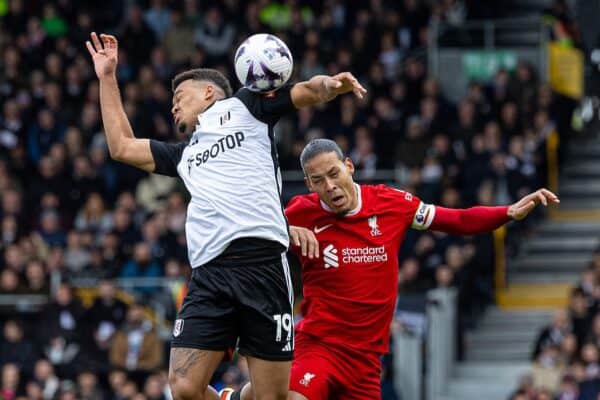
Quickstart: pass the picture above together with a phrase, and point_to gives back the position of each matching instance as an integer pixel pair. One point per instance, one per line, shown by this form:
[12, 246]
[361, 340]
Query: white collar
[354, 211]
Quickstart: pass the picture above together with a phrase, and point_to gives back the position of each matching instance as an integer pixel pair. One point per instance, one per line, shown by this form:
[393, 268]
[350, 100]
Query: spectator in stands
[43, 374]
[104, 318]
[553, 334]
[178, 41]
[9, 384]
[63, 327]
[93, 217]
[77, 256]
[215, 35]
[36, 279]
[143, 266]
[579, 310]
[154, 388]
[88, 387]
[548, 369]
[16, 349]
[135, 346]
[9, 282]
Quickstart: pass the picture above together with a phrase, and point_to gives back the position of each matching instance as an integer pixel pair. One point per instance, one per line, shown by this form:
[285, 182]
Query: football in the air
[263, 63]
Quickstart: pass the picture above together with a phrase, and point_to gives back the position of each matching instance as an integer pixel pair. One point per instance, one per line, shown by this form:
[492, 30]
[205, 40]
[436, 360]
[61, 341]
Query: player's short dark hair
[319, 146]
[204, 74]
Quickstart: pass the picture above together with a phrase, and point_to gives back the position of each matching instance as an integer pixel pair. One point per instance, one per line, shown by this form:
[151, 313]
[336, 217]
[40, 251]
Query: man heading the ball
[236, 232]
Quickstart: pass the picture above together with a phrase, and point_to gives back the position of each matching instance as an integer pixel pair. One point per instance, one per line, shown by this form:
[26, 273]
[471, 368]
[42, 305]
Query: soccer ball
[263, 63]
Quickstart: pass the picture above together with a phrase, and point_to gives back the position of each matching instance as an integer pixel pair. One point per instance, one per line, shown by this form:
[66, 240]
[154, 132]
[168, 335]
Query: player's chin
[182, 127]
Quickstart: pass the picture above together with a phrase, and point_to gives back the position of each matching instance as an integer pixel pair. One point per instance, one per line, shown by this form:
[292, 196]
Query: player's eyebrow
[331, 170]
[177, 93]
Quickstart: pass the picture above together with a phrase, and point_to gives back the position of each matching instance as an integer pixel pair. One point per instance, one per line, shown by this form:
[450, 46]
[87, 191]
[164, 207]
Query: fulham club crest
[178, 328]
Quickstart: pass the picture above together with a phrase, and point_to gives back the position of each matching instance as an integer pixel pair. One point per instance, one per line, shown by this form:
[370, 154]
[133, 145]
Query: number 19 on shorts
[284, 322]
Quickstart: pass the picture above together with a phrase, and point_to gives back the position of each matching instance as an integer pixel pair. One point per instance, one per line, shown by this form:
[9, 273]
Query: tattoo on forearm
[182, 359]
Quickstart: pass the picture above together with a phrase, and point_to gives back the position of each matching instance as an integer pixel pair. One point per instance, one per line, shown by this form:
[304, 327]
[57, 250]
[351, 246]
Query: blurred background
[469, 102]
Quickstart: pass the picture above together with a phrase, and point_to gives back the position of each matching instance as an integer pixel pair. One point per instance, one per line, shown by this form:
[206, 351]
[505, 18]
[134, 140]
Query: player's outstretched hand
[342, 83]
[306, 240]
[521, 208]
[104, 54]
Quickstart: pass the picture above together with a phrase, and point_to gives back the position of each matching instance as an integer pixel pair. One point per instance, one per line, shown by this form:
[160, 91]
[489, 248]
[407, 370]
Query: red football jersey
[350, 290]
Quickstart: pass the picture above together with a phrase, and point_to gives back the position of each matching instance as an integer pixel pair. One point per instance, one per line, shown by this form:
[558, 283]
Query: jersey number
[284, 321]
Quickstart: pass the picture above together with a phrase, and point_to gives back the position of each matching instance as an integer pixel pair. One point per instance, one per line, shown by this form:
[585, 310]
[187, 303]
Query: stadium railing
[425, 349]
[129, 292]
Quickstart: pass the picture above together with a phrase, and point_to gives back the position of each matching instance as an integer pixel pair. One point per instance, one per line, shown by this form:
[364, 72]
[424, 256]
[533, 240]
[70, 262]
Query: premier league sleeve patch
[423, 217]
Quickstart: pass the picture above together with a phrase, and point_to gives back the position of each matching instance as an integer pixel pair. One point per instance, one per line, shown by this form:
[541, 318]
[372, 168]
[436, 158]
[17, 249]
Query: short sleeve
[296, 210]
[405, 206]
[267, 107]
[166, 157]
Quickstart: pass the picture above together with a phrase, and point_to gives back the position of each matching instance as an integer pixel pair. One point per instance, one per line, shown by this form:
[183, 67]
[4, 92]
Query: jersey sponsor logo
[364, 255]
[287, 347]
[330, 257]
[319, 229]
[353, 255]
[178, 328]
[305, 381]
[221, 146]
[373, 225]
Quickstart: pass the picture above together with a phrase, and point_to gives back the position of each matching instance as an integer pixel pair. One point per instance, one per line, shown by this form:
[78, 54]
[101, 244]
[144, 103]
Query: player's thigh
[270, 379]
[207, 319]
[265, 296]
[190, 371]
[296, 396]
[364, 384]
[314, 374]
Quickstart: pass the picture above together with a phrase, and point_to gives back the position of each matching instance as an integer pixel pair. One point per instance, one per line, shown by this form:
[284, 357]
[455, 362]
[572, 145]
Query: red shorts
[322, 371]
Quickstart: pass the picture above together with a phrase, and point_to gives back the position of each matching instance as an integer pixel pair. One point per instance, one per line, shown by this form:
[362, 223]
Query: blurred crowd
[566, 354]
[68, 211]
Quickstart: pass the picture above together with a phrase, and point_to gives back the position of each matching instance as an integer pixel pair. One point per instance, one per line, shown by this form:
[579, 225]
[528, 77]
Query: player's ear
[349, 165]
[209, 92]
[308, 184]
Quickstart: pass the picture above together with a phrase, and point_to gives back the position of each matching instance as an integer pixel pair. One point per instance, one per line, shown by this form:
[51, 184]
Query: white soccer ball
[263, 63]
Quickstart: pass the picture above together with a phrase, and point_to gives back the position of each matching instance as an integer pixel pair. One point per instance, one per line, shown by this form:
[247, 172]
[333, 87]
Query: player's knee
[184, 388]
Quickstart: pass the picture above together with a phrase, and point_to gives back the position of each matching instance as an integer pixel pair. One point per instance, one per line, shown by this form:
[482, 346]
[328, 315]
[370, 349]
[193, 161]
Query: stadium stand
[93, 251]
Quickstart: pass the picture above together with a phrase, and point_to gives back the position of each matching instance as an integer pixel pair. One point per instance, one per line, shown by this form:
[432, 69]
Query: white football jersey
[231, 171]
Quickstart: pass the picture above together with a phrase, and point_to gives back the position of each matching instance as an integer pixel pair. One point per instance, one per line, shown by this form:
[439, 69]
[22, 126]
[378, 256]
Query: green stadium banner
[481, 65]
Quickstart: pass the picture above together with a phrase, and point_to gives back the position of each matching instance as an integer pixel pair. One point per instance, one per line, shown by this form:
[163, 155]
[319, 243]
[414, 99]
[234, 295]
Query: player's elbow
[116, 154]
[118, 151]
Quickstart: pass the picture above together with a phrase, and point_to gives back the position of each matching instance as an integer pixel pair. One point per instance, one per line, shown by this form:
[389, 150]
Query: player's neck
[354, 196]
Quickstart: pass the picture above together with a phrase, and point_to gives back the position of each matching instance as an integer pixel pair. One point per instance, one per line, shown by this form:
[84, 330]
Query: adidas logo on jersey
[287, 347]
[330, 257]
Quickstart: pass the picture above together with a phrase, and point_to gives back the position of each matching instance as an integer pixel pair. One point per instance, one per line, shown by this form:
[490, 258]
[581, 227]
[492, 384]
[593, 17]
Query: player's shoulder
[383, 197]
[385, 191]
[303, 203]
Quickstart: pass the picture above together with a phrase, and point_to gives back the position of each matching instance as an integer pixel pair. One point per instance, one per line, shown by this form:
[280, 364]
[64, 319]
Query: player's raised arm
[323, 88]
[480, 219]
[122, 144]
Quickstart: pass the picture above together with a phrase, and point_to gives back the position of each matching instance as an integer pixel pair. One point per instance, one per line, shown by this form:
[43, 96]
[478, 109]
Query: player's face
[331, 179]
[190, 99]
